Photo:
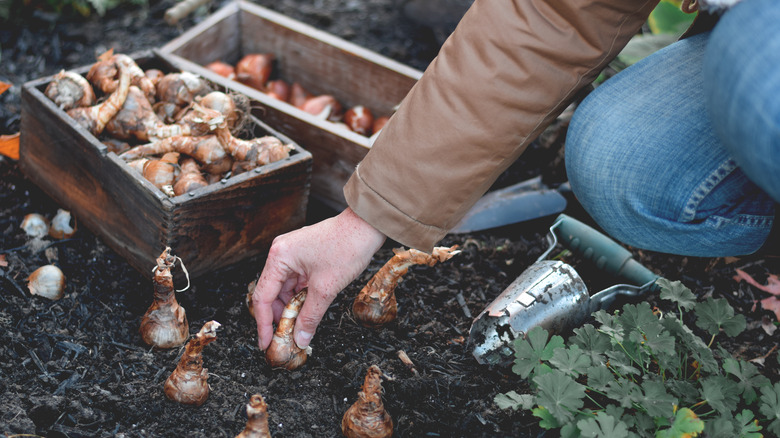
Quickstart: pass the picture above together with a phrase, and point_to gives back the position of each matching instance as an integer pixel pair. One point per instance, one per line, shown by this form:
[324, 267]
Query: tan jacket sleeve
[507, 71]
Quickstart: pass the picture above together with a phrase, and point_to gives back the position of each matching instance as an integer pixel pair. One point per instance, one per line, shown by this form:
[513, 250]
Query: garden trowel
[552, 295]
[523, 201]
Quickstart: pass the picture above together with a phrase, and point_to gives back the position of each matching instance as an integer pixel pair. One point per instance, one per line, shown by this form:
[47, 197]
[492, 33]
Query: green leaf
[603, 425]
[684, 390]
[668, 18]
[694, 346]
[560, 394]
[609, 325]
[657, 402]
[749, 427]
[624, 392]
[533, 350]
[592, 342]
[638, 317]
[686, 423]
[677, 293]
[770, 406]
[748, 376]
[599, 377]
[515, 401]
[547, 421]
[716, 314]
[621, 363]
[721, 393]
[570, 360]
[721, 427]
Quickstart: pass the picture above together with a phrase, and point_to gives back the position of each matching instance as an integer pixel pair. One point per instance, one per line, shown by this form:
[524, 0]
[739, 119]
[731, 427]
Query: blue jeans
[680, 153]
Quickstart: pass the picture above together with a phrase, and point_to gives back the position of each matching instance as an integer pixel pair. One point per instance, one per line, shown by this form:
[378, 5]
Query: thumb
[314, 308]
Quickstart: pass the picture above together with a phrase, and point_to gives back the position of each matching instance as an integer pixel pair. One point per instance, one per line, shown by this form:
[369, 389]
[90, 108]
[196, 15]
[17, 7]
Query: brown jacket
[507, 71]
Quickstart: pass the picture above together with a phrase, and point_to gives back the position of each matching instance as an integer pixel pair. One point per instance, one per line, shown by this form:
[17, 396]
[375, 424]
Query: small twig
[182, 9]
[408, 362]
[462, 302]
[13, 283]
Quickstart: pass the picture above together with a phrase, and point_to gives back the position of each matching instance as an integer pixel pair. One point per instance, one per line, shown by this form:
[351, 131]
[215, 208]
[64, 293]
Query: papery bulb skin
[70, 90]
[257, 419]
[35, 225]
[359, 119]
[375, 305]
[283, 352]
[298, 95]
[255, 69]
[223, 69]
[164, 325]
[325, 107]
[48, 281]
[367, 417]
[188, 384]
[278, 89]
[190, 178]
[379, 123]
[63, 226]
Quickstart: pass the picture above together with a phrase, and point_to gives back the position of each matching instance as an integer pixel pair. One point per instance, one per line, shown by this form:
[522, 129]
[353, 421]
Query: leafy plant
[642, 373]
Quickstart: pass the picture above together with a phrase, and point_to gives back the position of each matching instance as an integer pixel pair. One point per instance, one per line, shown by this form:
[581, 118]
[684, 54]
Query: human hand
[325, 257]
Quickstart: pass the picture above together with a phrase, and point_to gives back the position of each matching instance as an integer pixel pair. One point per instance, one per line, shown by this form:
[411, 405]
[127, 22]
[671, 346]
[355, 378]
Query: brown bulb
[359, 119]
[256, 419]
[283, 352]
[325, 107]
[278, 89]
[379, 123]
[255, 69]
[298, 95]
[164, 325]
[223, 69]
[188, 384]
[367, 417]
[375, 305]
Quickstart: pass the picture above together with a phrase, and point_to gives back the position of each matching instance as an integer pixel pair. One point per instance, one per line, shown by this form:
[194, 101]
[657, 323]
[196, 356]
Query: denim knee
[741, 77]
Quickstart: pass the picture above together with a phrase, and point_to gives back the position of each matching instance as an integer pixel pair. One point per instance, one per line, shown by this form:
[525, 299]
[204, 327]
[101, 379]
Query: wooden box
[209, 228]
[320, 62]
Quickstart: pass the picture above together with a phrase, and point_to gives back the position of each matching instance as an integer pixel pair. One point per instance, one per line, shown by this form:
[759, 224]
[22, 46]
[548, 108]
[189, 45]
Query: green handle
[607, 254]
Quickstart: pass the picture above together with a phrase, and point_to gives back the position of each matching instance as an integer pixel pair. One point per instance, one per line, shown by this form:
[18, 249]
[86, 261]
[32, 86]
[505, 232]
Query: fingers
[311, 314]
[275, 284]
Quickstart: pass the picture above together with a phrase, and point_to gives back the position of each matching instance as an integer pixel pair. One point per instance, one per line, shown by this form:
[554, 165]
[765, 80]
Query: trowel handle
[607, 254]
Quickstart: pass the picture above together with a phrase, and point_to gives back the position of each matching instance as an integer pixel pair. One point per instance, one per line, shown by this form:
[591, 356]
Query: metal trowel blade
[520, 202]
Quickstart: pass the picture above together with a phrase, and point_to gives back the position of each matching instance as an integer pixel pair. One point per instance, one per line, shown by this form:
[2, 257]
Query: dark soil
[77, 367]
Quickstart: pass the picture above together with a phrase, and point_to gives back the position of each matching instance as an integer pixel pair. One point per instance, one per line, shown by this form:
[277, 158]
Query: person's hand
[325, 257]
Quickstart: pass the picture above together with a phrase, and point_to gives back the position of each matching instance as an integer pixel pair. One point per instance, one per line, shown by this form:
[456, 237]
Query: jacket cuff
[388, 219]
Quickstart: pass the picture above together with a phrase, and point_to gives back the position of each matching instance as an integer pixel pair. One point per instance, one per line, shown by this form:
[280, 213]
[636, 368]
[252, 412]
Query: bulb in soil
[257, 419]
[35, 225]
[164, 325]
[283, 352]
[367, 417]
[63, 225]
[375, 305]
[188, 384]
[47, 281]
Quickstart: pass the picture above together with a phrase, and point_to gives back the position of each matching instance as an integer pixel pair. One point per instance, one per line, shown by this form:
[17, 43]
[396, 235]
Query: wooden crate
[320, 62]
[209, 228]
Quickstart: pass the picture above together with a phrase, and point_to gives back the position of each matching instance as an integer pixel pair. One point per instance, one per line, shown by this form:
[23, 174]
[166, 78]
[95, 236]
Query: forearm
[507, 71]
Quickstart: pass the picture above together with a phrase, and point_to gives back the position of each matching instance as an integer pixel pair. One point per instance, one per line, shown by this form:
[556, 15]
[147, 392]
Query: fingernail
[302, 339]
